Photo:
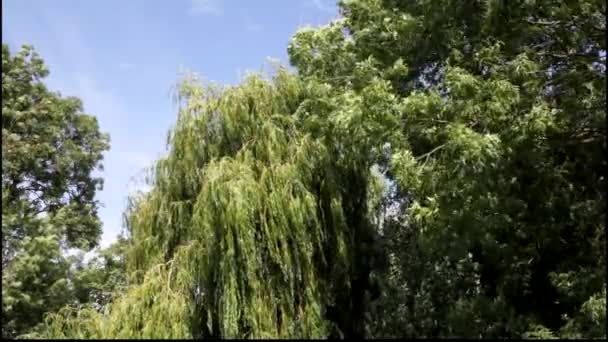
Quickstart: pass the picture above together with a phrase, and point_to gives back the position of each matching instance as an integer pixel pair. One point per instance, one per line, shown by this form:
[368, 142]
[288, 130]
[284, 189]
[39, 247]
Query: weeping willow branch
[246, 217]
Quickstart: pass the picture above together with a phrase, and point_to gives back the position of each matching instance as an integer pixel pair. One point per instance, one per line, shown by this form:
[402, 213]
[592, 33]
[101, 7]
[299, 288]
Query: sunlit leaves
[49, 150]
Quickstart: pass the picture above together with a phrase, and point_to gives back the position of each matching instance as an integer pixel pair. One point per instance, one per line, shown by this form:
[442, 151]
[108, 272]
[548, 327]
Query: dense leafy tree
[97, 280]
[434, 169]
[49, 149]
[502, 106]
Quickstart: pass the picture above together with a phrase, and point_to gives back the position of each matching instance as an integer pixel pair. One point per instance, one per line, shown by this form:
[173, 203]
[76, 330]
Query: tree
[256, 225]
[49, 149]
[432, 170]
[500, 226]
[98, 280]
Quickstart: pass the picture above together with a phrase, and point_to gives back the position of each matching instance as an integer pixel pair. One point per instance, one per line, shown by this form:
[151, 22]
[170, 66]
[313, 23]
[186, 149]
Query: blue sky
[121, 57]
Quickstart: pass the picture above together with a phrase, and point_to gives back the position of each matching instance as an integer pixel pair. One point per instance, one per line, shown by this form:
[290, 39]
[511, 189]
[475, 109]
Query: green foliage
[433, 170]
[589, 321]
[49, 149]
[96, 281]
[502, 110]
[157, 308]
[257, 213]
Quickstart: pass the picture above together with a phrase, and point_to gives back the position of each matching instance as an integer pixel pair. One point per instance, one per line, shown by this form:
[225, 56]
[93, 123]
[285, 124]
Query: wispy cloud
[211, 7]
[140, 167]
[254, 27]
[323, 5]
[125, 66]
[80, 79]
[138, 163]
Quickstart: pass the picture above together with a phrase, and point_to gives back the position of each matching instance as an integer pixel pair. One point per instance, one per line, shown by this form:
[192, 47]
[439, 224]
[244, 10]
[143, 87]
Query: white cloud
[125, 66]
[140, 164]
[250, 26]
[137, 160]
[211, 7]
[323, 5]
[72, 48]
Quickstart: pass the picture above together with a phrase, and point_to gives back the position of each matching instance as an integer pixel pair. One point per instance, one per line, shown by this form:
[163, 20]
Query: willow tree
[257, 224]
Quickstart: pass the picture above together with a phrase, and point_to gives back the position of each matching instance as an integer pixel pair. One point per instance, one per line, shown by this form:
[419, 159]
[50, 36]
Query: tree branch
[426, 155]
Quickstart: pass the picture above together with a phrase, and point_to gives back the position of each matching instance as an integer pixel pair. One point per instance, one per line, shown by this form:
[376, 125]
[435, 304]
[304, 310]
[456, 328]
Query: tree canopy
[49, 151]
[431, 169]
[502, 108]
